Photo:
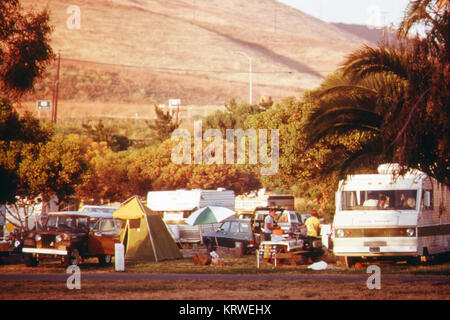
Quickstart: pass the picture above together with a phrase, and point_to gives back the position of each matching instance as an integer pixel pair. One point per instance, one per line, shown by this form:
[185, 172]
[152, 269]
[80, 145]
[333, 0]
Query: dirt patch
[224, 290]
[219, 289]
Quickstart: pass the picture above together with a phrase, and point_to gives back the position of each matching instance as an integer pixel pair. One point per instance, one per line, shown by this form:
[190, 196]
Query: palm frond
[369, 60]
[341, 120]
[369, 155]
[416, 12]
[347, 89]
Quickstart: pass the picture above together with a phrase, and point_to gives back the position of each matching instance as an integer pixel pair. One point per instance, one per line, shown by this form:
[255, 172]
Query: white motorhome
[177, 205]
[385, 216]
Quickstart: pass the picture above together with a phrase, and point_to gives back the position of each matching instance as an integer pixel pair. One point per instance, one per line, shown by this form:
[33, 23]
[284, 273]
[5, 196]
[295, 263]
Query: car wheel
[73, 258]
[30, 261]
[105, 259]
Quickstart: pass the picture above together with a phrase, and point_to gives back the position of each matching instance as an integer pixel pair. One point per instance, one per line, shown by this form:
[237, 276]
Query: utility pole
[55, 90]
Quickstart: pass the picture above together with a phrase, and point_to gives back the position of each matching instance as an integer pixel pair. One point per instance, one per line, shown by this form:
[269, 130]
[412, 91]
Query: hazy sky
[365, 12]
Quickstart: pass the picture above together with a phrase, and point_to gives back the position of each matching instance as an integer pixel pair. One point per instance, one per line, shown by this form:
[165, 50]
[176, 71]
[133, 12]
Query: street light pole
[249, 74]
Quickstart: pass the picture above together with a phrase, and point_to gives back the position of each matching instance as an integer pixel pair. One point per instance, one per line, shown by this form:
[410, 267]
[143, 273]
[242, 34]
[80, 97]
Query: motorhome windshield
[379, 200]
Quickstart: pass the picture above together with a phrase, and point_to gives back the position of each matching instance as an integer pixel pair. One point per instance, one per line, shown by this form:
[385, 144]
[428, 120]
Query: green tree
[106, 178]
[16, 133]
[433, 14]
[164, 124]
[151, 168]
[24, 53]
[99, 132]
[24, 47]
[53, 167]
[301, 167]
[231, 177]
[398, 99]
[43, 169]
[234, 115]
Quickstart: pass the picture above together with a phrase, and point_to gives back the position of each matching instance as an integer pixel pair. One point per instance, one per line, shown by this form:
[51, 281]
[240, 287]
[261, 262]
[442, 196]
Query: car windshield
[98, 209]
[379, 200]
[225, 226]
[108, 226]
[67, 222]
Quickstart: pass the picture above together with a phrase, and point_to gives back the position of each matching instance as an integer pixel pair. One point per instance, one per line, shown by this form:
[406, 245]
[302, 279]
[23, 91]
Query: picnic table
[289, 249]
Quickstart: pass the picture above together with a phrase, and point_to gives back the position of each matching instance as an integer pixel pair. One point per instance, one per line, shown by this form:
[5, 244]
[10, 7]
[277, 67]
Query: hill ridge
[186, 49]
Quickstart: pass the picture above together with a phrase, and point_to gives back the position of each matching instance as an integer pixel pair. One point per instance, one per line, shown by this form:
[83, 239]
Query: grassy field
[233, 265]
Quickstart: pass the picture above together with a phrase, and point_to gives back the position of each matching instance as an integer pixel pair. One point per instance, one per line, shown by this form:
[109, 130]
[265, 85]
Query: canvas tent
[145, 235]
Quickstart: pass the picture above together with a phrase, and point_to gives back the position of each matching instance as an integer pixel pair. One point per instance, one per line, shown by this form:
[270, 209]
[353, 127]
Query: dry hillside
[147, 51]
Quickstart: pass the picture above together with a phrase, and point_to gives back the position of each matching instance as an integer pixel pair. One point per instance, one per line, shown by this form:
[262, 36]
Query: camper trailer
[176, 206]
[386, 216]
[247, 204]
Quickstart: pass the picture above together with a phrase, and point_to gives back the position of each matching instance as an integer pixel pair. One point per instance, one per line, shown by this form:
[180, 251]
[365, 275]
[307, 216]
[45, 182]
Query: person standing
[312, 224]
[269, 225]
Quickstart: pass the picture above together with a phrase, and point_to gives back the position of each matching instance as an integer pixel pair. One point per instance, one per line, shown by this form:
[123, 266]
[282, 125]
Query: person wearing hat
[312, 225]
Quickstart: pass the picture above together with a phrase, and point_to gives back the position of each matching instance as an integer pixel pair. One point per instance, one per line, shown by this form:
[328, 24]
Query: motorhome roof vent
[388, 168]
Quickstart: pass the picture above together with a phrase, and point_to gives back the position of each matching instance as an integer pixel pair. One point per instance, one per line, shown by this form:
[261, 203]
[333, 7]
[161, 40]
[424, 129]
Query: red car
[71, 236]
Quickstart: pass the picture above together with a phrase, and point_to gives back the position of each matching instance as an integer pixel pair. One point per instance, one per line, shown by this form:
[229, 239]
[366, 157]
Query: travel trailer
[247, 204]
[386, 216]
[176, 206]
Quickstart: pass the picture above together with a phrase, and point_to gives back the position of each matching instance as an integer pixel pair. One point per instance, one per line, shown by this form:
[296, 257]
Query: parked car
[72, 236]
[97, 212]
[233, 233]
[259, 214]
[288, 220]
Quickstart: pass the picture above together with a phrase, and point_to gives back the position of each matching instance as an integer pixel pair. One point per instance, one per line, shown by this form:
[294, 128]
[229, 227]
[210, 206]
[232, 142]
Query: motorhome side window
[379, 200]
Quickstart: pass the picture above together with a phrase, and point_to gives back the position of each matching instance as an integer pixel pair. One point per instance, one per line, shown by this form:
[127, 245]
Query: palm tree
[426, 12]
[434, 16]
[354, 102]
[396, 98]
